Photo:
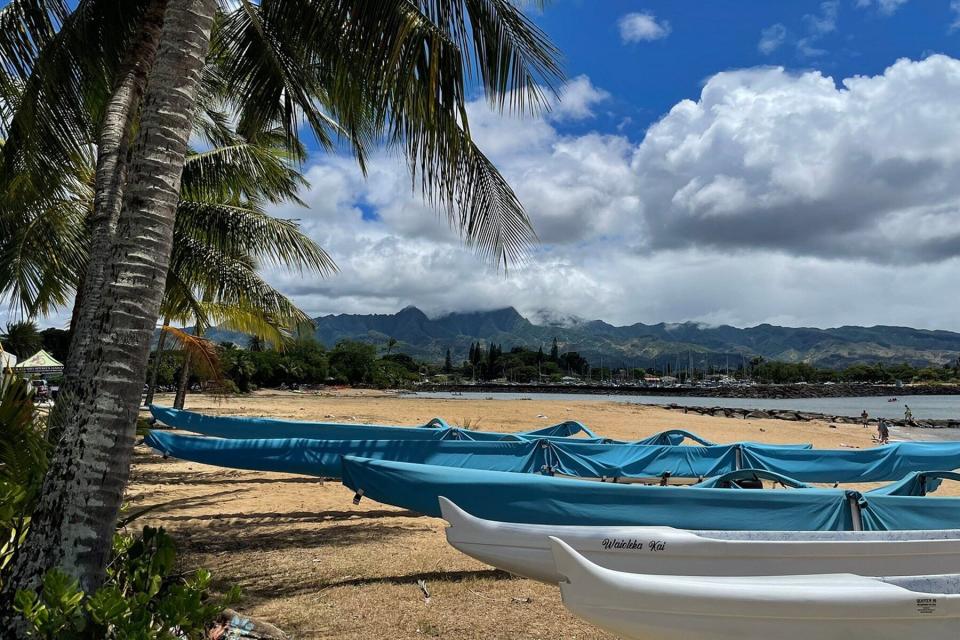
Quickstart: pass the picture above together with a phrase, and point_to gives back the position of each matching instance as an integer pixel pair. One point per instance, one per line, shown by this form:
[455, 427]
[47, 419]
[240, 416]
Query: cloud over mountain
[830, 201]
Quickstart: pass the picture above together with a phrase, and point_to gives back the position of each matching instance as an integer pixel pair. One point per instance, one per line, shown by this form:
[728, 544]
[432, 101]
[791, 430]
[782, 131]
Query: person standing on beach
[864, 418]
[883, 433]
[907, 414]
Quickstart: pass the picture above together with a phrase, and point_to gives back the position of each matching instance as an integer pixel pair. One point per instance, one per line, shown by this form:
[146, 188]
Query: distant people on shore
[865, 418]
[883, 433]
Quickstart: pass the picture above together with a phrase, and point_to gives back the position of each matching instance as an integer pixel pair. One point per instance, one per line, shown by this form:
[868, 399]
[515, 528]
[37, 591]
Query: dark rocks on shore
[803, 416]
[770, 391]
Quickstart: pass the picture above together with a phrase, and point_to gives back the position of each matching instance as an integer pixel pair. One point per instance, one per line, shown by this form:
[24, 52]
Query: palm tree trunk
[181, 398]
[155, 370]
[72, 528]
[113, 147]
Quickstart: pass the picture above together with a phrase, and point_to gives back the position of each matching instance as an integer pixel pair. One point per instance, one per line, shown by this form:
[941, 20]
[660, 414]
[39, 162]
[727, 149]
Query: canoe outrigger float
[824, 607]
[525, 549]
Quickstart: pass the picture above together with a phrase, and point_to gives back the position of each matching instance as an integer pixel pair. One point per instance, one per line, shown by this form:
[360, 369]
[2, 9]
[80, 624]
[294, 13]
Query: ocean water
[923, 407]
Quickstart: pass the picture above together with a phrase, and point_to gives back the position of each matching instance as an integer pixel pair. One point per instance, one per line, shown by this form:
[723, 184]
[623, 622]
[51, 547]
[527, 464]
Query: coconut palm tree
[397, 71]
[22, 339]
[221, 234]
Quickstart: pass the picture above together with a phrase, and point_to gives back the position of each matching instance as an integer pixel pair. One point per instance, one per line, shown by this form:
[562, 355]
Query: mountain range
[640, 344]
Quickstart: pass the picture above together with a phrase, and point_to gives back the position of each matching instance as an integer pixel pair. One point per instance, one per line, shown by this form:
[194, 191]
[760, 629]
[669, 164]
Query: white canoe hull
[524, 549]
[822, 607]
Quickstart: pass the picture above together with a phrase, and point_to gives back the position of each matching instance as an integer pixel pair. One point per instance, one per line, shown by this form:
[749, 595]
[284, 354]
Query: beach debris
[423, 588]
[540, 415]
[526, 600]
[231, 625]
[427, 628]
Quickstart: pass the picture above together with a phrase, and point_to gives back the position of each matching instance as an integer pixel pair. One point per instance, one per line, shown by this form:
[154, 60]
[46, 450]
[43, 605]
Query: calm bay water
[929, 407]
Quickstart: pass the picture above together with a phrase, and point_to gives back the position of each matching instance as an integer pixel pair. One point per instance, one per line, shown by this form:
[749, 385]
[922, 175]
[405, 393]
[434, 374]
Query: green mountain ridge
[640, 344]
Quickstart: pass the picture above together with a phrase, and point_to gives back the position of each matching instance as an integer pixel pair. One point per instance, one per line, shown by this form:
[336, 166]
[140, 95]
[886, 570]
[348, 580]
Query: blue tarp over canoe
[436, 429]
[537, 499]
[242, 427]
[877, 464]
[564, 457]
[918, 483]
[322, 457]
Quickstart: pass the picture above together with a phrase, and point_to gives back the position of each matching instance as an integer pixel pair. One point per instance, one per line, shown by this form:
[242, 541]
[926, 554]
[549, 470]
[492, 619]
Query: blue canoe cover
[918, 483]
[322, 457]
[562, 456]
[877, 464]
[436, 429]
[538, 499]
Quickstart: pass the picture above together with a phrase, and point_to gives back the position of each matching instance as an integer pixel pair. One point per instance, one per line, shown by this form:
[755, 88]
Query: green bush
[143, 598]
[23, 462]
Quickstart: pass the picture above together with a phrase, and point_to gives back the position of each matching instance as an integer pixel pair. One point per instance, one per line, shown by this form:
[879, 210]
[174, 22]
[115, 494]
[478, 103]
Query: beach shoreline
[758, 391]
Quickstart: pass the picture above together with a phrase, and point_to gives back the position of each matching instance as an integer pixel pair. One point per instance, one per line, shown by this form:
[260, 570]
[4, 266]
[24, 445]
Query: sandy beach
[317, 566]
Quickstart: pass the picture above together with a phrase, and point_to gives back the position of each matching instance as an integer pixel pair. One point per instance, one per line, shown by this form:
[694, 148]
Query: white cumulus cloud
[772, 38]
[643, 26]
[577, 99]
[792, 198]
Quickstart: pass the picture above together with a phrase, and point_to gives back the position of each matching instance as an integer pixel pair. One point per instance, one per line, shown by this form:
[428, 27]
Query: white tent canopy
[7, 360]
[39, 363]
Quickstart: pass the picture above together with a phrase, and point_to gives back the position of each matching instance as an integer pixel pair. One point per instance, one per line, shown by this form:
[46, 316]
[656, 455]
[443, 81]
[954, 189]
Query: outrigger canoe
[539, 499]
[563, 456]
[260, 428]
[247, 427]
[525, 549]
[825, 606]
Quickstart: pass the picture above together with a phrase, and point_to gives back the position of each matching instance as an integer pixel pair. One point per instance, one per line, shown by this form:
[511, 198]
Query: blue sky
[647, 77]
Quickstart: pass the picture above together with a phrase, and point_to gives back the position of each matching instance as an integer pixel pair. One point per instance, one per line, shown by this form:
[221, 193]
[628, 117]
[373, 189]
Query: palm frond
[227, 280]
[399, 70]
[44, 254]
[203, 353]
[242, 228]
[64, 91]
[240, 170]
[26, 27]
[271, 80]
[249, 320]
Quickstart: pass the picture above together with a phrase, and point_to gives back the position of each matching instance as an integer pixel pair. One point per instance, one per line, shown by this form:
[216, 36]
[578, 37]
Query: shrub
[143, 598]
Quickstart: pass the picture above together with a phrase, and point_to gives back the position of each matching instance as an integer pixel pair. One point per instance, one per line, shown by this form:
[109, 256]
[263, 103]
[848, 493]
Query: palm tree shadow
[428, 576]
[205, 478]
[254, 593]
[273, 536]
[276, 518]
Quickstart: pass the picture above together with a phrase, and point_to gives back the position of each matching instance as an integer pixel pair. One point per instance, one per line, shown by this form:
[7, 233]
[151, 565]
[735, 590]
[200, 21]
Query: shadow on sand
[268, 536]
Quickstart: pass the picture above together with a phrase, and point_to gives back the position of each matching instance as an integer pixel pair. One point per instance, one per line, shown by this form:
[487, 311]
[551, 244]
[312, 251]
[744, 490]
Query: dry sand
[317, 566]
